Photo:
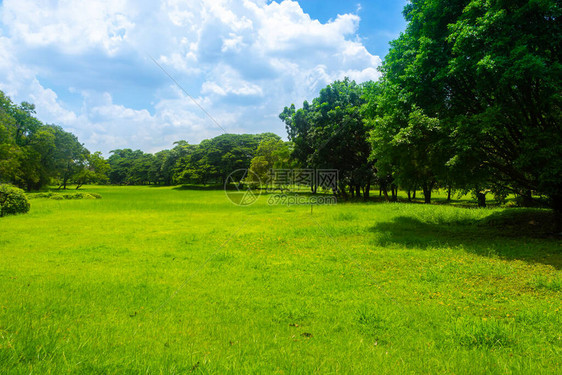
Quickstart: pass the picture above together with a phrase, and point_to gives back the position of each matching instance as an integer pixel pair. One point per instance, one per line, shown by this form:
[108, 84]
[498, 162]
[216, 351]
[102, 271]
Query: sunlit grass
[163, 280]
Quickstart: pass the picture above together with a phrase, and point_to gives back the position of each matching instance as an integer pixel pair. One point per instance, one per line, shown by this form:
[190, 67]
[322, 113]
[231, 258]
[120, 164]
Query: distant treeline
[33, 155]
[469, 100]
[209, 162]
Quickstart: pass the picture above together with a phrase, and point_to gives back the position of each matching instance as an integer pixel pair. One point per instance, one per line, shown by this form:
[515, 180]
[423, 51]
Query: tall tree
[272, 153]
[69, 155]
[508, 78]
[96, 170]
[490, 73]
[330, 134]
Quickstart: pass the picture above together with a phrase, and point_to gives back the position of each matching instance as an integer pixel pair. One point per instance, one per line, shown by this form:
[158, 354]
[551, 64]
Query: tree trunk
[557, 207]
[394, 193]
[414, 194]
[358, 191]
[427, 188]
[384, 192]
[449, 194]
[351, 191]
[343, 193]
[527, 199]
[481, 199]
[367, 190]
[409, 196]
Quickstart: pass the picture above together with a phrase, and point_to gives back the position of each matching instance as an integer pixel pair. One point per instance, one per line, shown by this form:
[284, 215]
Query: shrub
[59, 196]
[62, 196]
[39, 195]
[12, 201]
[72, 196]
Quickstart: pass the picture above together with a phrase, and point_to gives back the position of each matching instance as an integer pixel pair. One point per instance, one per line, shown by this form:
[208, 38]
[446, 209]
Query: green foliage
[272, 153]
[12, 201]
[62, 196]
[33, 154]
[214, 159]
[95, 170]
[330, 134]
[489, 72]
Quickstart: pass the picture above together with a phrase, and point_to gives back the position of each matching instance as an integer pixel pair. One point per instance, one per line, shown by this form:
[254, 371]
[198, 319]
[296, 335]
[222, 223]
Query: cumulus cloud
[88, 67]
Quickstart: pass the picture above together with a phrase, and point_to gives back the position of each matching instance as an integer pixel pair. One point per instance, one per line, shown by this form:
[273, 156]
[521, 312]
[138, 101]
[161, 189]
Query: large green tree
[272, 153]
[507, 77]
[330, 134]
[489, 72]
[32, 154]
[69, 155]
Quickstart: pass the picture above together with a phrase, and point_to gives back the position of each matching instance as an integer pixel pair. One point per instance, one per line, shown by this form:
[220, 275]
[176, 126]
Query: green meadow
[167, 280]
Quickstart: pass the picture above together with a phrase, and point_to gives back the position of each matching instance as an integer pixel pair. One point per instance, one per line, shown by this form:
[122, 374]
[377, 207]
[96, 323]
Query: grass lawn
[164, 280]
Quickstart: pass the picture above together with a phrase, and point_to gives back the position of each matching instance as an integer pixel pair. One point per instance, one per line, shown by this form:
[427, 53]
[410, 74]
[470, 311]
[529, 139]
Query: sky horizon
[88, 66]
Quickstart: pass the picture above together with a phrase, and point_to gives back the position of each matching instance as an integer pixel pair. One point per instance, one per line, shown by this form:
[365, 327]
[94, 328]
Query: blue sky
[87, 65]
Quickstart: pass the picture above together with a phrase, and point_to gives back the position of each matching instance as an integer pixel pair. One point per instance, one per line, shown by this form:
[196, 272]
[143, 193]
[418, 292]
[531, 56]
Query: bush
[59, 197]
[63, 196]
[39, 195]
[12, 201]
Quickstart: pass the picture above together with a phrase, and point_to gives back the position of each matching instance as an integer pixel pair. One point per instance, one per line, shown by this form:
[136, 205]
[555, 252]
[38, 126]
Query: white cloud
[85, 65]
[72, 26]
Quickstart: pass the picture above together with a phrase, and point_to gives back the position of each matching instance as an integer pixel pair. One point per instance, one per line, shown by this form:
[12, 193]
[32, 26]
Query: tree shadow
[518, 234]
[201, 187]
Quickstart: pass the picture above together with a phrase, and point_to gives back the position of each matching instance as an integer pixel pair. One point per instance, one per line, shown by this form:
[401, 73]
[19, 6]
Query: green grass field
[163, 280]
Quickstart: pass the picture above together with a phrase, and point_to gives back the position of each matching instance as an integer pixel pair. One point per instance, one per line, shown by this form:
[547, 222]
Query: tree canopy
[485, 76]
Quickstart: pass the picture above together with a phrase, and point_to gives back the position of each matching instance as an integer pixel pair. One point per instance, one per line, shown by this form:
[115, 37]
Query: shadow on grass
[199, 187]
[523, 234]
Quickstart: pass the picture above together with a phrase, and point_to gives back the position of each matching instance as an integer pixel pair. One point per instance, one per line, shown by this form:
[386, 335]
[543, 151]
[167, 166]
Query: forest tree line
[469, 100]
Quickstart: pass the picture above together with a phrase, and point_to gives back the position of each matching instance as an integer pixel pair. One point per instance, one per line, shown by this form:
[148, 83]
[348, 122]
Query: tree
[506, 63]
[489, 72]
[94, 171]
[10, 152]
[70, 155]
[214, 159]
[330, 134]
[33, 154]
[272, 153]
[121, 166]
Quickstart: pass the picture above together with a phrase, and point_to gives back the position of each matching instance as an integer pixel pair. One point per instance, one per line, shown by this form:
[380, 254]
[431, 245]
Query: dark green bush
[61, 196]
[66, 195]
[12, 201]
